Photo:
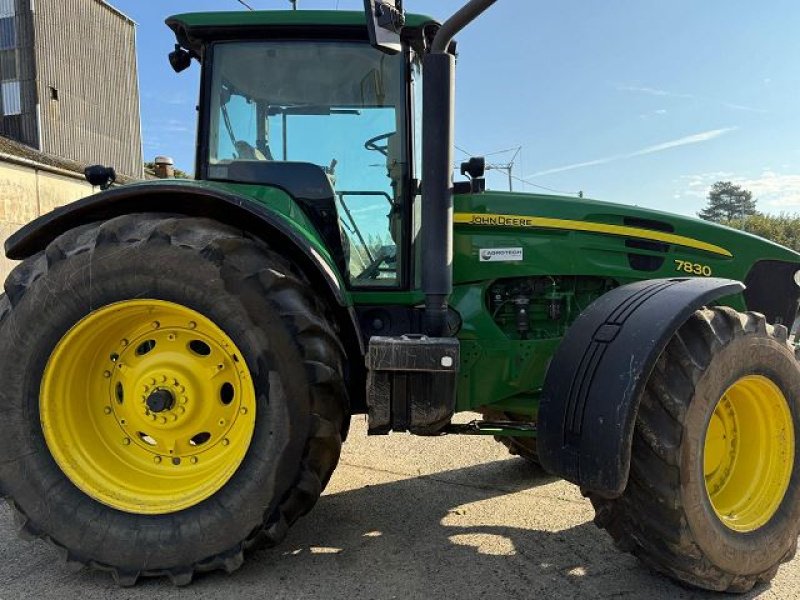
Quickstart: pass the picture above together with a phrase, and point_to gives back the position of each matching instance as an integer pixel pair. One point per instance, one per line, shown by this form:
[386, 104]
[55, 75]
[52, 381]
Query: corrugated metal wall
[88, 84]
[17, 73]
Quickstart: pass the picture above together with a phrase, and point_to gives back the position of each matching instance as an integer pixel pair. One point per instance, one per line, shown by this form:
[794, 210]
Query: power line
[242, 2]
[542, 187]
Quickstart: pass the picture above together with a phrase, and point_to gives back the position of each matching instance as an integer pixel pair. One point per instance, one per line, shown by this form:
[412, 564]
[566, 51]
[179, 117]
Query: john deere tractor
[180, 359]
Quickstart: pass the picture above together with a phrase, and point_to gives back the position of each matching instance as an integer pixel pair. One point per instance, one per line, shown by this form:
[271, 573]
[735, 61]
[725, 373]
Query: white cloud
[774, 191]
[744, 108]
[652, 91]
[696, 138]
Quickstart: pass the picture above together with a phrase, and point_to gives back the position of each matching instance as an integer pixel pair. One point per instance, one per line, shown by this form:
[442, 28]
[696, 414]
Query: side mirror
[385, 21]
[100, 176]
[180, 59]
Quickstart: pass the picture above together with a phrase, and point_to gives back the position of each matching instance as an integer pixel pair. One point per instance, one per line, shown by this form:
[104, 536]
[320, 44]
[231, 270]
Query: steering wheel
[372, 143]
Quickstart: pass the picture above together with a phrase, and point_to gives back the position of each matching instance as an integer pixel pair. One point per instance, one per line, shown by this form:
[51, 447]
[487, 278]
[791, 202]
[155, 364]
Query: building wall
[18, 111]
[87, 84]
[28, 191]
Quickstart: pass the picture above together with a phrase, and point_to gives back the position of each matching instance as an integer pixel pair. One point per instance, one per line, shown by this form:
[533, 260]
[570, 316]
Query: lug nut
[157, 460]
[106, 374]
[107, 410]
[124, 342]
[193, 460]
[225, 442]
[192, 325]
[156, 324]
[126, 441]
[243, 410]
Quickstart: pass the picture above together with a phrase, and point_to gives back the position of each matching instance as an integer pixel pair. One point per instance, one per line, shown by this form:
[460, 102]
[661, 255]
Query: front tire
[172, 396]
[713, 497]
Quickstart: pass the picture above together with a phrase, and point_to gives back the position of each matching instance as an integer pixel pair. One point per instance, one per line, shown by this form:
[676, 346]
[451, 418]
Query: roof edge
[116, 11]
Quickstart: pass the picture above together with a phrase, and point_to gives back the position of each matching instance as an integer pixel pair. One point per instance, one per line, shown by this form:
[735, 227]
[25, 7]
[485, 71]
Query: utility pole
[294, 4]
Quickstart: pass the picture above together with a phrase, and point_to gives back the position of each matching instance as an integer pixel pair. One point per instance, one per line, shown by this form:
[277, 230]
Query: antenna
[507, 167]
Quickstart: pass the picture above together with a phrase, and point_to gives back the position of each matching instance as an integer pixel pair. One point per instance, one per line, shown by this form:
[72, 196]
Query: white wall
[27, 192]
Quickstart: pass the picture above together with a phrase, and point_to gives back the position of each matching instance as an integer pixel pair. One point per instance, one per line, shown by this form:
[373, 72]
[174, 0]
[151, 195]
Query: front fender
[593, 385]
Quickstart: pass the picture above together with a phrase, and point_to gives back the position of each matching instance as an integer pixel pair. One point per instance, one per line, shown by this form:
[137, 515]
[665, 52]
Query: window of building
[12, 99]
[8, 33]
[7, 9]
[8, 65]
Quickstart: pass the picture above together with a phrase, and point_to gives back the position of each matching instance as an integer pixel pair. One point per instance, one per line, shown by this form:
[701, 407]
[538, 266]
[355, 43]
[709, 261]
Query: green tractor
[180, 359]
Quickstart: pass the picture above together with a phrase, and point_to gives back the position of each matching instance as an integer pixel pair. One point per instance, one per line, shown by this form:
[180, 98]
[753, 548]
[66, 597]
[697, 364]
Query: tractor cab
[327, 118]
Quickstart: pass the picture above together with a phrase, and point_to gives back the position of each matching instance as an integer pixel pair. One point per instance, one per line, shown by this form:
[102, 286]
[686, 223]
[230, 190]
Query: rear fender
[191, 199]
[595, 380]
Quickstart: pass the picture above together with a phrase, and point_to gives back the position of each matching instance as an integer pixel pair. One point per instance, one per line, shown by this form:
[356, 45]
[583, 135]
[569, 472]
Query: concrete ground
[406, 517]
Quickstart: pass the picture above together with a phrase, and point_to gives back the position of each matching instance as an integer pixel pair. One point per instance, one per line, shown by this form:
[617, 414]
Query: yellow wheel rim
[749, 453]
[147, 406]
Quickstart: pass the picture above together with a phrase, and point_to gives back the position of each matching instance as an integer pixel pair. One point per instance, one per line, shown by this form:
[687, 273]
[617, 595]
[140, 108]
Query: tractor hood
[500, 234]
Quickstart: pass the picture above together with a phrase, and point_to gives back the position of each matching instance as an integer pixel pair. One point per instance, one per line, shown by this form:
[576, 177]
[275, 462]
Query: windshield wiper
[311, 110]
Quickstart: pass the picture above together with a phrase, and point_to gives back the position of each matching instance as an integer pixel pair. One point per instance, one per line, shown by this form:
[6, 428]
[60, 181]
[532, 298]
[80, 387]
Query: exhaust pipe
[437, 174]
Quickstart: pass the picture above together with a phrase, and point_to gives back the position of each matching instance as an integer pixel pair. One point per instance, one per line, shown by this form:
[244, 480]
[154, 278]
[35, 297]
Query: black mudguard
[593, 385]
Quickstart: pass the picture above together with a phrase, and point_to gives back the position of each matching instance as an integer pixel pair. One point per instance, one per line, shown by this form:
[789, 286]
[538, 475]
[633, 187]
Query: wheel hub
[169, 395]
[748, 453]
[160, 400]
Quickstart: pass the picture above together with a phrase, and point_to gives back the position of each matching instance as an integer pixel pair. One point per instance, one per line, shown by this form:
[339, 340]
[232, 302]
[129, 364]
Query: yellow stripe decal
[493, 220]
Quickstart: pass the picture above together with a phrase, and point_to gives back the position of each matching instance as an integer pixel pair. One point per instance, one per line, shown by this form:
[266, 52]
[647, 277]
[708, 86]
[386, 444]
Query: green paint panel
[501, 370]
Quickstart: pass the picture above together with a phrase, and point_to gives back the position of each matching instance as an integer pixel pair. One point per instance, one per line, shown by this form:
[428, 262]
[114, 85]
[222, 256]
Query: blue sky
[637, 101]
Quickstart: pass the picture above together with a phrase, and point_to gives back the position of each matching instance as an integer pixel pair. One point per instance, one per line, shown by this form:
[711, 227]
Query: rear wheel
[172, 394]
[713, 497]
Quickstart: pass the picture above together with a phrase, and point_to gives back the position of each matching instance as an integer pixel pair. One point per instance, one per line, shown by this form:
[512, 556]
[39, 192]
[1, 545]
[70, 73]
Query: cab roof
[192, 29]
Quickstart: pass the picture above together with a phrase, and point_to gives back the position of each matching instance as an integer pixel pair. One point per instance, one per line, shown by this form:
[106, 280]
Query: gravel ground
[406, 517]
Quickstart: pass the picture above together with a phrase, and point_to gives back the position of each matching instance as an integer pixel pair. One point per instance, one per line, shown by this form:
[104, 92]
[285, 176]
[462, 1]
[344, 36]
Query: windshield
[338, 105]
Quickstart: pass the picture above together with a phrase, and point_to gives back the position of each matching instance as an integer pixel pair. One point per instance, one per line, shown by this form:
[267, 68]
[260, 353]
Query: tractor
[181, 359]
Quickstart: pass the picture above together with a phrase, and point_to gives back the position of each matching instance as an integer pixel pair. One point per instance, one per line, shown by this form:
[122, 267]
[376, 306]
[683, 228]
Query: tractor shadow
[474, 532]
[446, 535]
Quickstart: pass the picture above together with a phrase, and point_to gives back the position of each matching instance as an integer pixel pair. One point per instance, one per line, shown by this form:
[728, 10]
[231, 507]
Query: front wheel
[713, 497]
[172, 395]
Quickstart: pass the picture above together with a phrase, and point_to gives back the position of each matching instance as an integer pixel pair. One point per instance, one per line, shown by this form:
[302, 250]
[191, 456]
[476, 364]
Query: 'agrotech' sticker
[501, 254]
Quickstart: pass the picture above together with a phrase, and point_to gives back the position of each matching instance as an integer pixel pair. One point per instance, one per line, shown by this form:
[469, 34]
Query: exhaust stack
[437, 172]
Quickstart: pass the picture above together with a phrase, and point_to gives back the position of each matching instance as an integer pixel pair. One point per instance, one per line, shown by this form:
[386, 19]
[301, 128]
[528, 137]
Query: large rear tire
[713, 497]
[172, 396]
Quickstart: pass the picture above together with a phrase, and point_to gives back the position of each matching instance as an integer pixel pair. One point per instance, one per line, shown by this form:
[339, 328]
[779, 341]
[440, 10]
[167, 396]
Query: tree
[728, 201]
[783, 228]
